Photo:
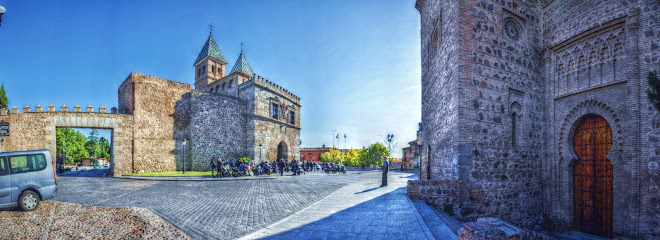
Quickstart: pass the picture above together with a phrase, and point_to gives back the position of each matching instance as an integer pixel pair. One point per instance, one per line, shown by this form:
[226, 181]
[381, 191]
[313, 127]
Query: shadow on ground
[378, 218]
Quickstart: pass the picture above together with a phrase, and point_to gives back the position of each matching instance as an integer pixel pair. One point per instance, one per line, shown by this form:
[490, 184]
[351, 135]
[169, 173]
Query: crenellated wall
[36, 130]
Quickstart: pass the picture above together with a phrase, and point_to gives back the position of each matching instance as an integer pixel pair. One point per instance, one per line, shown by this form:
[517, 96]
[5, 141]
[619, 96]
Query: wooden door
[592, 177]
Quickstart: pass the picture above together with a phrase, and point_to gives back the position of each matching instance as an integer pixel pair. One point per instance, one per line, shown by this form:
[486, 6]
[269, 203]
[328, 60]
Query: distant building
[313, 154]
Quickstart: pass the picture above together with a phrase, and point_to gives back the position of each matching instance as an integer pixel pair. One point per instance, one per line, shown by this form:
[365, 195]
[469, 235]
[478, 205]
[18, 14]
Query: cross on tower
[210, 28]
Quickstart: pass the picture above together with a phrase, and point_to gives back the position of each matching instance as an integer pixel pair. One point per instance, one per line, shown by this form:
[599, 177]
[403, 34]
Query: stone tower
[210, 65]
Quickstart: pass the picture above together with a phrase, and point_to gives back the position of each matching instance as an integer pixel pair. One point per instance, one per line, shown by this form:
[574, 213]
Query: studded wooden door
[592, 177]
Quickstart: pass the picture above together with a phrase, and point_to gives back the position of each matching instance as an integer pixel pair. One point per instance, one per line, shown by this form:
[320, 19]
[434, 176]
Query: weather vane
[210, 28]
[241, 47]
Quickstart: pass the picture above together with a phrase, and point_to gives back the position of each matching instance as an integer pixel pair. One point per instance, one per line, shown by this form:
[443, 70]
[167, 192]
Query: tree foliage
[4, 102]
[354, 158]
[374, 154]
[72, 145]
[653, 92]
[334, 155]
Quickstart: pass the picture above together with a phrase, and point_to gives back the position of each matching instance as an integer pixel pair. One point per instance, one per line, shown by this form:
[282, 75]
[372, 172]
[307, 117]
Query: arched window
[515, 111]
[217, 89]
[213, 69]
[231, 84]
[211, 91]
[224, 86]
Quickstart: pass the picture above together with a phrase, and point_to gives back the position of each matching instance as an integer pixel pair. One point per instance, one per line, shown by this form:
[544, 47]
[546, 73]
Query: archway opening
[282, 151]
[593, 176]
[85, 152]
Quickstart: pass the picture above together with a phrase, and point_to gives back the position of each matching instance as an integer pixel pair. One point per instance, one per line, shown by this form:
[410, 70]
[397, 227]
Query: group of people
[222, 168]
[281, 165]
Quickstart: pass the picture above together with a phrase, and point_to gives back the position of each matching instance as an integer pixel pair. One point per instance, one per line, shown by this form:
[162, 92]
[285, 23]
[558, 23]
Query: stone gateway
[233, 115]
[535, 112]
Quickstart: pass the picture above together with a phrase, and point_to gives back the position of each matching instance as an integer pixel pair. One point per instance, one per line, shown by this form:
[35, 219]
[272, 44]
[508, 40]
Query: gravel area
[57, 220]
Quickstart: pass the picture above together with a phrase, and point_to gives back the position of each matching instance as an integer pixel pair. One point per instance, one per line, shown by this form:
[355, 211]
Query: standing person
[214, 165]
[220, 165]
[386, 168]
[280, 165]
[362, 166]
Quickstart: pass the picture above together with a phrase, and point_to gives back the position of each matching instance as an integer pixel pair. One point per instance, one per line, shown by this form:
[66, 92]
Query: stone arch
[116, 123]
[571, 122]
[224, 86]
[283, 151]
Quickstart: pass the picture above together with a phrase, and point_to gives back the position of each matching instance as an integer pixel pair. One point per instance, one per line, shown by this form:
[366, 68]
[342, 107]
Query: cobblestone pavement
[212, 209]
[361, 210]
[56, 220]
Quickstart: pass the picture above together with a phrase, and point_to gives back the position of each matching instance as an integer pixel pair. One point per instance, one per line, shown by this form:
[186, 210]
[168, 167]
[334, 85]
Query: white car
[107, 165]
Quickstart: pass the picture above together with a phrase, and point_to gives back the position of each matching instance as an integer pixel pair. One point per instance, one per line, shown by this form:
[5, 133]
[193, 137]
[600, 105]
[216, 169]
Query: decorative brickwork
[505, 88]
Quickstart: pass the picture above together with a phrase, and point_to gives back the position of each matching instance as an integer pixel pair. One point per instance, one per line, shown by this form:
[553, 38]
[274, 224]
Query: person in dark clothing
[280, 165]
[386, 168]
[220, 164]
[362, 166]
[214, 165]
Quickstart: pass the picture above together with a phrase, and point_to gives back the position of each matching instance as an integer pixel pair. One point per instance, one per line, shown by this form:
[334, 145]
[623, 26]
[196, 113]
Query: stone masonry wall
[499, 156]
[440, 98]
[154, 103]
[599, 53]
[36, 130]
[268, 131]
[219, 128]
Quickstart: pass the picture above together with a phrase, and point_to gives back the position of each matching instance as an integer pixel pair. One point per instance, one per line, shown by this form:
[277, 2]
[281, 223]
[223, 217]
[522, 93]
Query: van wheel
[28, 201]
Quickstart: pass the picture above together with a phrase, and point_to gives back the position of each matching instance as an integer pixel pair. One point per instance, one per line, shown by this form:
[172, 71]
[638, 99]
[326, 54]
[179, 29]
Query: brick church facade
[535, 112]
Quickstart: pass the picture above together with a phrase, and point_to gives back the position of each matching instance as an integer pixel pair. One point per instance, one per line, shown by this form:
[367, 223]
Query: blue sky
[355, 64]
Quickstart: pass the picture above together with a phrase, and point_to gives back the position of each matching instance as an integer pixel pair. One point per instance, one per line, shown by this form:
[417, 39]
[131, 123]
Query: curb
[196, 179]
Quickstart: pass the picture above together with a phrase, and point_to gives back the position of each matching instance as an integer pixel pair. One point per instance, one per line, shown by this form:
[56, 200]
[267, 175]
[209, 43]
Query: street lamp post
[184, 156]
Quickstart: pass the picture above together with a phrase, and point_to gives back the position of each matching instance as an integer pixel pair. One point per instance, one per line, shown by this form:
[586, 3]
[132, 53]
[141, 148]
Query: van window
[27, 163]
[4, 169]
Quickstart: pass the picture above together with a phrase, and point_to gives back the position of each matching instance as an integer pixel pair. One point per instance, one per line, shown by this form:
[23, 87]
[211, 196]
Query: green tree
[374, 154]
[653, 92]
[4, 103]
[92, 145]
[352, 158]
[334, 155]
[70, 143]
[104, 144]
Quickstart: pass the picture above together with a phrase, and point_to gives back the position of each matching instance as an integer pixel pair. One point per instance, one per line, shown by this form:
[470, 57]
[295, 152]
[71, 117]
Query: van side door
[5, 182]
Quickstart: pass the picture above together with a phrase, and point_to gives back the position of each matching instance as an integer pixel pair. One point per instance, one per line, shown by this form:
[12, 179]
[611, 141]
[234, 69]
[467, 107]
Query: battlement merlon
[51, 109]
[267, 84]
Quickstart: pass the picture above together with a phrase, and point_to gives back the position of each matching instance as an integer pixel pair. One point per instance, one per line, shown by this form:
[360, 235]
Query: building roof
[210, 49]
[242, 66]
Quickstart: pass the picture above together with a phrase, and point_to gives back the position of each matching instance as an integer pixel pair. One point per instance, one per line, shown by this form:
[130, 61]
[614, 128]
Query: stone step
[453, 223]
[438, 227]
[575, 235]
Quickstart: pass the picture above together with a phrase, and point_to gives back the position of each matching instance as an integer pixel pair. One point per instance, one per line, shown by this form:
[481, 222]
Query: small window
[292, 117]
[231, 84]
[217, 89]
[274, 110]
[4, 168]
[203, 69]
[213, 69]
[27, 163]
[224, 86]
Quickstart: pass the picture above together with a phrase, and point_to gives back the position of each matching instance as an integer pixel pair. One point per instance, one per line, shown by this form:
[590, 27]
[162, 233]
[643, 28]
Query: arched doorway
[282, 151]
[592, 177]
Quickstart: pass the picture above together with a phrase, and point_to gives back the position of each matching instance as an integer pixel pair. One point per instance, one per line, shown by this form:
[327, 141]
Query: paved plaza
[311, 206]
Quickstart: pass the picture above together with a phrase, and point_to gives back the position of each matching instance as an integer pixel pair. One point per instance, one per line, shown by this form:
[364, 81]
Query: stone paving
[330, 206]
[361, 210]
[209, 209]
[56, 220]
